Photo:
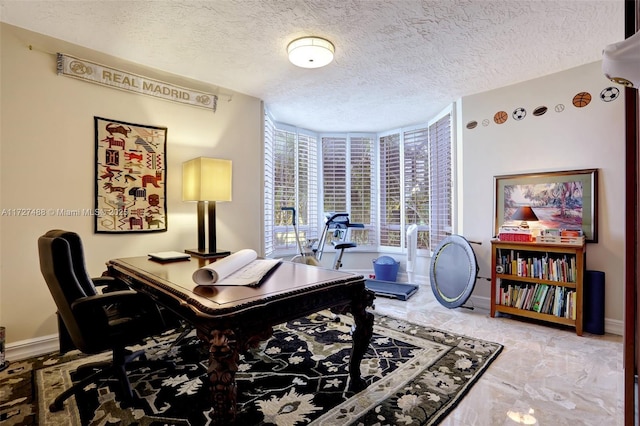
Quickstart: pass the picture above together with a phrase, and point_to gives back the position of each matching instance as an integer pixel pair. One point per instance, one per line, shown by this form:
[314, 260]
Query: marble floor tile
[545, 375]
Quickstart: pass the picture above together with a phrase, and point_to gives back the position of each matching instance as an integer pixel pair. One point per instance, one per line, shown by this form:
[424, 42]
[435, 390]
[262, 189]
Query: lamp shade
[206, 179]
[524, 213]
[310, 52]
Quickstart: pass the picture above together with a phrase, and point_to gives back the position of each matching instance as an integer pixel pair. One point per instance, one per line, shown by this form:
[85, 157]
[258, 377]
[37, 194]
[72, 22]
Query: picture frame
[561, 199]
[130, 179]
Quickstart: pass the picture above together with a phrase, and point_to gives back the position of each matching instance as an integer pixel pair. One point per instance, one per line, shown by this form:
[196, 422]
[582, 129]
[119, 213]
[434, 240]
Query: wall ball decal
[541, 110]
[610, 94]
[486, 122]
[559, 108]
[581, 99]
[472, 124]
[500, 117]
[519, 113]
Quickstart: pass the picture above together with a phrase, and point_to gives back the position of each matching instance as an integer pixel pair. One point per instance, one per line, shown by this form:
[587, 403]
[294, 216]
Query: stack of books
[561, 236]
[516, 233]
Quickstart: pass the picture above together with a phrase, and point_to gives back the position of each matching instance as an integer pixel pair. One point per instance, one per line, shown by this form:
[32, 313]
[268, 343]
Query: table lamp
[525, 214]
[207, 181]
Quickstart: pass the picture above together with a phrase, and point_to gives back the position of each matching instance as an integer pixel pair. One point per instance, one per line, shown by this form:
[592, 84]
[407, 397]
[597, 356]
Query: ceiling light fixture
[310, 52]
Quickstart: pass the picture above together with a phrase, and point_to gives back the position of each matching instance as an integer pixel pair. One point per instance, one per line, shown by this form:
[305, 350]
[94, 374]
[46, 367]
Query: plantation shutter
[307, 191]
[363, 190]
[390, 195]
[334, 174]
[441, 180]
[284, 187]
[268, 194]
[416, 183]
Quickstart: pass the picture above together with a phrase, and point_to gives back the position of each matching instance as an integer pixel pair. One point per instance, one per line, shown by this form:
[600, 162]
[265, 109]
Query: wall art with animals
[130, 177]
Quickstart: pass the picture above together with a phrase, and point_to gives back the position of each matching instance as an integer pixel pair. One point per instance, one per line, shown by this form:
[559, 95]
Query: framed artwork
[562, 200]
[131, 176]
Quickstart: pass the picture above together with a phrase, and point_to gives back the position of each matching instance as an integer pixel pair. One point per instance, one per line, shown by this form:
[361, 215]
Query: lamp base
[206, 254]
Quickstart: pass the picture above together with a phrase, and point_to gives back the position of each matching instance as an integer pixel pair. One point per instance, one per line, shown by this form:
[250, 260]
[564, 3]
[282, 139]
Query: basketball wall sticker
[500, 117]
[581, 100]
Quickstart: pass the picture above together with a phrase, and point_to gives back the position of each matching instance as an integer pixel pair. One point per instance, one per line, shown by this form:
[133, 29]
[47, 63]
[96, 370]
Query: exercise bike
[337, 226]
[303, 256]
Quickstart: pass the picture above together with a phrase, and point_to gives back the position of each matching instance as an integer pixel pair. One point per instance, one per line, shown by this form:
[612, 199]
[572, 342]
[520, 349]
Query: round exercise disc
[453, 271]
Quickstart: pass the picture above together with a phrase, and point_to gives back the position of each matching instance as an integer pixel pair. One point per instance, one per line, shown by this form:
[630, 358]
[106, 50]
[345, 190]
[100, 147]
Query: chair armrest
[128, 302]
[103, 301]
[110, 284]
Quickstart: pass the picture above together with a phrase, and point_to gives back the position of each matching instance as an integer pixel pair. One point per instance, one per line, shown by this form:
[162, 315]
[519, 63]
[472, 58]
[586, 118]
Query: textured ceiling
[397, 62]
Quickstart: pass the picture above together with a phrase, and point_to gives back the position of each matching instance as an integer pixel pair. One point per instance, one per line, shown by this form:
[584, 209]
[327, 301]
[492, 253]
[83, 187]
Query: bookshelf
[542, 281]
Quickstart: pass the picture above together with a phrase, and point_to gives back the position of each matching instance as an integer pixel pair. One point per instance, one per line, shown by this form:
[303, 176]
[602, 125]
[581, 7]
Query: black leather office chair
[94, 322]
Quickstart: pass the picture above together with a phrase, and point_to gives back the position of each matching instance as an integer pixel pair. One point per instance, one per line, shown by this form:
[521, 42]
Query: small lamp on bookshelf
[526, 215]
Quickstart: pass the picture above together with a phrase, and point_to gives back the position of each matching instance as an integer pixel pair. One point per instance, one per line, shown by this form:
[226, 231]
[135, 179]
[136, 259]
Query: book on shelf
[548, 301]
[240, 268]
[537, 303]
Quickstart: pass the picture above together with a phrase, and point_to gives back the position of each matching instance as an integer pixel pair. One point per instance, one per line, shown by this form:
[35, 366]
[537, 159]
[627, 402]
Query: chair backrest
[77, 259]
[56, 265]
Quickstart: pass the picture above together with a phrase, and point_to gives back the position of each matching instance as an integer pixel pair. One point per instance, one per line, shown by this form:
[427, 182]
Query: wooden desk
[231, 319]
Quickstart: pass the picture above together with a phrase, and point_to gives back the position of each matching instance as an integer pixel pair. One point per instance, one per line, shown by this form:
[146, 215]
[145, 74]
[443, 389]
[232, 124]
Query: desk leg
[361, 337]
[223, 364]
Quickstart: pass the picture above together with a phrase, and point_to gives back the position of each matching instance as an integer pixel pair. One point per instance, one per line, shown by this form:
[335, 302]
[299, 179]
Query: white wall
[576, 138]
[47, 161]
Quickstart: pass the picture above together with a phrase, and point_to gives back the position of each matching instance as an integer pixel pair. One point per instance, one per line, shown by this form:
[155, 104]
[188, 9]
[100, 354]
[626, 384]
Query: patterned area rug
[415, 375]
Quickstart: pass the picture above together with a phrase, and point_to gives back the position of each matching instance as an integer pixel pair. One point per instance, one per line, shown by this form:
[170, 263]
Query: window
[291, 180]
[348, 183]
[416, 184]
[413, 169]
[390, 194]
[441, 180]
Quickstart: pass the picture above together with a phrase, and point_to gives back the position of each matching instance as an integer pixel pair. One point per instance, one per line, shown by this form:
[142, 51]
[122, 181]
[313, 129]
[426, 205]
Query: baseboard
[31, 347]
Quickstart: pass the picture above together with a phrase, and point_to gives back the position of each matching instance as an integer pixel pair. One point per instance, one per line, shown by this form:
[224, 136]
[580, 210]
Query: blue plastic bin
[386, 268]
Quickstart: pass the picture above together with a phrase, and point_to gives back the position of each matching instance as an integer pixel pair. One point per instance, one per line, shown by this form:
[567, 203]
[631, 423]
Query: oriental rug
[415, 375]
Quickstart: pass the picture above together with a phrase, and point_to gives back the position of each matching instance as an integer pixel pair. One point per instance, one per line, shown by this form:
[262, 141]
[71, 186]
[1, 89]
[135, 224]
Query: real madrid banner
[106, 76]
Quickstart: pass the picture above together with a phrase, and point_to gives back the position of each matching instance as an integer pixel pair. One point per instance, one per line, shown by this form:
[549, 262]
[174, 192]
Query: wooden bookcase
[559, 267]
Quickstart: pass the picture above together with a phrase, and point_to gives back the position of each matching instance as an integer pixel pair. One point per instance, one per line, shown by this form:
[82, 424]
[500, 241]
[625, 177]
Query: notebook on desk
[166, 256]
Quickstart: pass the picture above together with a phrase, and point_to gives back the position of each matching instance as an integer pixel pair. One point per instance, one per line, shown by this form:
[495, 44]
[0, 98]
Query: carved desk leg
[361, 336]
[224, 354]
[223, 364]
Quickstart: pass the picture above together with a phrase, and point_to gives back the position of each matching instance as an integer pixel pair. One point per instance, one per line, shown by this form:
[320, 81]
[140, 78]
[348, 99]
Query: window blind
[441, 180]
[348, 183]
[390, 191]
[334, 174]
[269, 181]
[416, 183]
[291, 180]
[362, 190]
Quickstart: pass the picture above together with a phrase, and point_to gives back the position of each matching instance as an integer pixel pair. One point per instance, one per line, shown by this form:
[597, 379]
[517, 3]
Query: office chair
[94, 322]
